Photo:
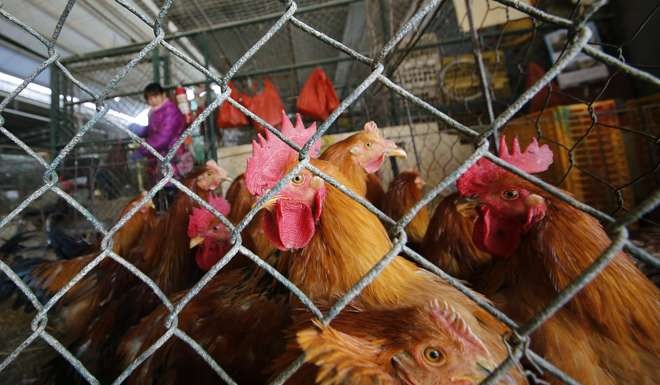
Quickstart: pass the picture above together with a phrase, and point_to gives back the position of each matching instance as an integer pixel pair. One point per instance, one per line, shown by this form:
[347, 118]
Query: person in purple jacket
[166, 123]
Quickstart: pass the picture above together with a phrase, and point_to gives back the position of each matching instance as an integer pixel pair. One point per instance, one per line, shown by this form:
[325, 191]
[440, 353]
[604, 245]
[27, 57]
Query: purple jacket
[165, 125]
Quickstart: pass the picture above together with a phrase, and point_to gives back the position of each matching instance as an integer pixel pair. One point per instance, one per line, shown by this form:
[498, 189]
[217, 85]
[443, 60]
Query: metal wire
[579, 43]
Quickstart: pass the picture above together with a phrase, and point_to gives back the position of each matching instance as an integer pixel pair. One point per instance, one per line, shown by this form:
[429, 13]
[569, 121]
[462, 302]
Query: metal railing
[578, 43]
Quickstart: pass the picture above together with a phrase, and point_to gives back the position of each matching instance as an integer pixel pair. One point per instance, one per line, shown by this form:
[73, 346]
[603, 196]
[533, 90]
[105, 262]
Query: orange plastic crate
[599, 161]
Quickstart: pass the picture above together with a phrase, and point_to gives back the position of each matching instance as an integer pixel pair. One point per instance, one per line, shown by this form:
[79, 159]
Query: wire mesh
[379, 74]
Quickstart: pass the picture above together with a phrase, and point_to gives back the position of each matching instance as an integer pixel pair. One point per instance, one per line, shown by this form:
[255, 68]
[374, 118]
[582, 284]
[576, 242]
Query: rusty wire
[578, 43]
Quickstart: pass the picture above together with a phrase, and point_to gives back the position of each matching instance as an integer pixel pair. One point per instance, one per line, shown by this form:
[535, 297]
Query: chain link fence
[380, 77]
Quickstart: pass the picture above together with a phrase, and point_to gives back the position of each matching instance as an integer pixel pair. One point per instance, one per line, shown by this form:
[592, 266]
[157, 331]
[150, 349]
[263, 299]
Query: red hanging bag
[230, 116]
[317, 98]
[266, 104]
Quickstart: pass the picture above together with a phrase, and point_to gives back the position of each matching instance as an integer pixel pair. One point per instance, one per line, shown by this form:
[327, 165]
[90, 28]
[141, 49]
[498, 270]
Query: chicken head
[206, 231]
[292, 213]
[506, 205]
[371, 148]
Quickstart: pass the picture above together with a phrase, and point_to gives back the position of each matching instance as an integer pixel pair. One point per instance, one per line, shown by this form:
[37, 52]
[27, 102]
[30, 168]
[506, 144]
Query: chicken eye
[368, 145]
[298, 179]
[433, 355]
[510, 194]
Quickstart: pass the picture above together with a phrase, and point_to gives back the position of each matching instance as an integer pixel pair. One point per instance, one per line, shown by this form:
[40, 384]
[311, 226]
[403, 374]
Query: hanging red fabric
[266, 104]
[230, 116]
[317, 98]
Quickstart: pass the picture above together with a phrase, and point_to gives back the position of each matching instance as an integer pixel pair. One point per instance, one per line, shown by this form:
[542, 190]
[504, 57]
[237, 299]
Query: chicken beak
[316, 182]
[391, 149]
[196, 241]
[403, 359]
[534, 200]
[150, 204]
[268, 205]
[396, 152]
[419, 182]
[464, 380]
[466, 206]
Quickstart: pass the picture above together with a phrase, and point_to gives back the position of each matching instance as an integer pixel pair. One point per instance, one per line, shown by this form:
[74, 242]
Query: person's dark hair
[153, 89]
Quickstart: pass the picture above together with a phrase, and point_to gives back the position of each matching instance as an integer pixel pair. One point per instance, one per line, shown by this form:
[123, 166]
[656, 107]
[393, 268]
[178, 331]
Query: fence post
[481, 69]
[155, 62]
[167, 71]
[394, 113]
[54, 109]
[209, 132]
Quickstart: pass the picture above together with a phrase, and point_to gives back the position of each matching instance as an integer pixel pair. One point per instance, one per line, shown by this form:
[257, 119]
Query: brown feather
[448, 242]
[340, 155]
[348, 241]
[403, 193]
[375, 192]
[239, 319]
[253, 236]
[608, 333]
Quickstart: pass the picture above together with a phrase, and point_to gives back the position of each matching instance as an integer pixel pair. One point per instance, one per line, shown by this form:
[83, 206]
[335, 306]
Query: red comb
[299, 134]
[451, 322]
[270, 155]
[220, 204]
[535, 159]
[201, 219]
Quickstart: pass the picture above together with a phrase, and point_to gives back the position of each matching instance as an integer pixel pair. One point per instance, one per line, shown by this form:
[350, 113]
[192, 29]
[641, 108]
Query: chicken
[64, 245]
[169, 263]
[375, 191]
[206, 230]
[328, 242]
[166, 258]
[47, 277]
[253, 236]
[380, 347]
[74, 310]
[239, 317]
[608, 333]
[404, 192]
[448, 241]
[140, 224]
[362, 154]
[333, 241]
[13, 249]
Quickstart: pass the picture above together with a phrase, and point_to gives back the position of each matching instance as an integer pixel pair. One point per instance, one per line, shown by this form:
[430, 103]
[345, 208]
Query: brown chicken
[375, 191]
[329, 242]
[360, 155]
[334, 241]
[448, 241]
[167, 260]
[381, 348]
[608, 333]
[74, 310]
[49, 277]
[253, 236]
[239, 317]
[405, 190]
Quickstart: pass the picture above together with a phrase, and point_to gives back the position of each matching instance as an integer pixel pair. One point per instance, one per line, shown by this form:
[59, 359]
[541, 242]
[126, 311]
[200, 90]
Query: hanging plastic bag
[230, 116]
[266, 104]
[317, 98]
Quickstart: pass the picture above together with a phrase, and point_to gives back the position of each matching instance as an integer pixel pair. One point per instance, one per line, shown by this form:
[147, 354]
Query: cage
[441, 88]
